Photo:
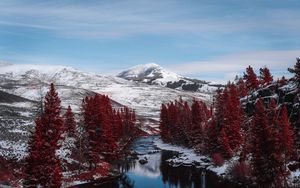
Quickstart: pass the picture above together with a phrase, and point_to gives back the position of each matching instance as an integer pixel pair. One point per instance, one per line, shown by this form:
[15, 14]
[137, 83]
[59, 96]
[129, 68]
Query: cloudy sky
[206, 39]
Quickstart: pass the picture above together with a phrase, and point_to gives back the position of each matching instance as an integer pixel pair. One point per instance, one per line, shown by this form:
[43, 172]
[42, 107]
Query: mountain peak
[154, 74]
[148, 73]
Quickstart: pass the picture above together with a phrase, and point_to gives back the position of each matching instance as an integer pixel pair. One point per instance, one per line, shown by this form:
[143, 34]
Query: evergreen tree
[265, 76]
[70, 124]
[251, 79]
[266, 161]
[242, 89]
[296, 71]
[224, 142]
[286, 136]
[42, 165]
[164, 125]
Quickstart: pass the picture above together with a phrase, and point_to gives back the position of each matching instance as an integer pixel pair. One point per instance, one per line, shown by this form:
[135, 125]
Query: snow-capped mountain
[154, 74]
[24, 86]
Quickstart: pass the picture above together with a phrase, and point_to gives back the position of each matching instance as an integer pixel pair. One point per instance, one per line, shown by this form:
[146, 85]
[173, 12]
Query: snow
[15, 149]
[16, 70]
[149, 71]
[187, 155]
[18, 104]
[72, 85]
[155, 74]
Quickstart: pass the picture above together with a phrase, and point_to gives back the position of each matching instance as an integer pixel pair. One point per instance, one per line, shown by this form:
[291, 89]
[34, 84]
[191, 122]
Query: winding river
[155, 172]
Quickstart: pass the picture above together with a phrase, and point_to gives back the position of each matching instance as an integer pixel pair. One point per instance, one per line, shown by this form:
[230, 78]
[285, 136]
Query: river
[157, 173]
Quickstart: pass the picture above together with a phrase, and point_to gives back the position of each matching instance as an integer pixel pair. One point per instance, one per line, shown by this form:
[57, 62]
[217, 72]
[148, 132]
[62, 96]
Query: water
[157, 173]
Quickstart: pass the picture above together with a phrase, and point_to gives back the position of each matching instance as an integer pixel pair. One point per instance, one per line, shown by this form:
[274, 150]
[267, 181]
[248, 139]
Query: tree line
[100, 135]
[262, 138]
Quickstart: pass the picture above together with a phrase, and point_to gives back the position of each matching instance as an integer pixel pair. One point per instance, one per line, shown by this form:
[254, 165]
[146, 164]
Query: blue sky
[206, 39]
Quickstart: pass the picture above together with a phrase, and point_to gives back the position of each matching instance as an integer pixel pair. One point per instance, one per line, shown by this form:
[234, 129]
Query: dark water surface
[157, 173]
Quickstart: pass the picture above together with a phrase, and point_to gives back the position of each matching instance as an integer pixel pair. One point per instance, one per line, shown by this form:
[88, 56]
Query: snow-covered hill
[154, 74]
[31, 82]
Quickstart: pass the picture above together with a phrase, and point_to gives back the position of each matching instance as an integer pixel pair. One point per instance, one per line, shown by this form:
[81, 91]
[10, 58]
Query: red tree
[242, 89]
[70, 124]
[286, 136]
[265, 76]
[164, 124]
[224, 142]
[42, 165]
[283, 81]
[296, 71]
[251, 79]
[229, 116]
[266, 159]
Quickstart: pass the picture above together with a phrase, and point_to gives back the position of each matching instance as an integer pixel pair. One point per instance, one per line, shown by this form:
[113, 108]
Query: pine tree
[265, 76]
[296, 71]
[70, 124]
[196, 131]
[164, 124]
[242, 89]
[42, 160]
[224, 142]
[212, 138]
[251, 79]
[286, 136]
[283, 81]
[266, 161]
[234, 117]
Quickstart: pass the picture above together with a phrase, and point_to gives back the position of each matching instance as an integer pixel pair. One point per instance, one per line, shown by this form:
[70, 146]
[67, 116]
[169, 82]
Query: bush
[217, 159]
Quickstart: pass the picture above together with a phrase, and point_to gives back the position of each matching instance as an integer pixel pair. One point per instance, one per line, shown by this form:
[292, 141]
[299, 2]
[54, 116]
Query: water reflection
[158, 173]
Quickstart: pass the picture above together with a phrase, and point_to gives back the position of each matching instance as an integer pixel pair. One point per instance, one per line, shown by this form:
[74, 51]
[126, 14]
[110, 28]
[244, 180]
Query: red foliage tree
[283, 81]
[296, 71]
[224, 142]
[212, 138]
[70, 124]
[42, 165]
[229, 116]
[251, 79]
[242, 89]
[107, 129]
[266, 161]
[286, 136]
[265, 76]
[164, 124]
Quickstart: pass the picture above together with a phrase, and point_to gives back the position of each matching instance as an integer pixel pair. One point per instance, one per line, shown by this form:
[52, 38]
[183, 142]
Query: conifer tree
[42, 165]
[242, 89]
[164, 125]
[224, 142]
[251, 79]
[296, 71]
[265, 76]
[286, 136]
[70, 124]
[266, 161]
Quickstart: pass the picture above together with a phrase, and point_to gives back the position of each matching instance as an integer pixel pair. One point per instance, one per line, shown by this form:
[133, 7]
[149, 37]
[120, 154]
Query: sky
[206, 39]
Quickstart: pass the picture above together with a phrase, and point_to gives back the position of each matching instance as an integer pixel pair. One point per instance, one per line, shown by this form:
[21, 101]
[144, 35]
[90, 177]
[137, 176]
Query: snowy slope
[150, 73]
[154, 74]
[32, 82]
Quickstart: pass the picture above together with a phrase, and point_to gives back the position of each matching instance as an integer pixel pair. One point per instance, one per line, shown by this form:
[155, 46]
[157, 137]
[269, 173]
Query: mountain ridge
[154, 74]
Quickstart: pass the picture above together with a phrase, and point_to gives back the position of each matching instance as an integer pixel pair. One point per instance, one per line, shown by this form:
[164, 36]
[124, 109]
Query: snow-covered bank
[188, 157]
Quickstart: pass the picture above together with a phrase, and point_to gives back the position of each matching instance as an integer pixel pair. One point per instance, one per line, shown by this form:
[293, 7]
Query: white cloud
[125, 18]
[231, 65]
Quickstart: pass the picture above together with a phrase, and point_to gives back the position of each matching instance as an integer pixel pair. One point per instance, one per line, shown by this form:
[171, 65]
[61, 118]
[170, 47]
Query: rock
[143, 161]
